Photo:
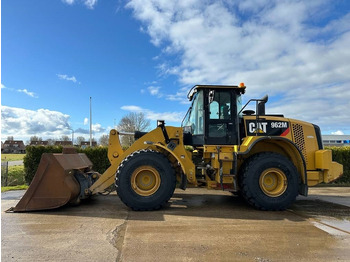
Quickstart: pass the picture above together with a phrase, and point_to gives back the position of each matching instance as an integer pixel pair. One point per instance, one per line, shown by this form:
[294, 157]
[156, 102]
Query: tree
[80, 139]
[51, 142]
[104, 139]
[35, 138]
[65, 138]
[130, 123]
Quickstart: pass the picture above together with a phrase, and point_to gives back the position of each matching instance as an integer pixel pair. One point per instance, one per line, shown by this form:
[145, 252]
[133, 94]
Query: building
[336, 140]
[63, 143]
[85, 144]
[39, 143]
[13, 147]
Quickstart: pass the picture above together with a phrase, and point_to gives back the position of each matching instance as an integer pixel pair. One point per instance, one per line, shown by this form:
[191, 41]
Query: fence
[4, 172]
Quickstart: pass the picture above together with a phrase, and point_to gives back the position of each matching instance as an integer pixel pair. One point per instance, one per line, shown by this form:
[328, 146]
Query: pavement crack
[116, 237]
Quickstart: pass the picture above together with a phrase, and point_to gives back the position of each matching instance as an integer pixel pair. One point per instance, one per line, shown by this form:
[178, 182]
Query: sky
[144, 56]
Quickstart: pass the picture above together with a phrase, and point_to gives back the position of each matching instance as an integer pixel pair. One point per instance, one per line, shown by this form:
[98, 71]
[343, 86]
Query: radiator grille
[299, 139]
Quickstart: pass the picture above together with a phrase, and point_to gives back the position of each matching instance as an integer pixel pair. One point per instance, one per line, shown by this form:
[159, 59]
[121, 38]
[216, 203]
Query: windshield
[195, 115]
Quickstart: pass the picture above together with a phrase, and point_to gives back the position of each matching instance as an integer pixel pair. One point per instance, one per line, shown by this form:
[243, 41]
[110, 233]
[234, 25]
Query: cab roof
[241, 87]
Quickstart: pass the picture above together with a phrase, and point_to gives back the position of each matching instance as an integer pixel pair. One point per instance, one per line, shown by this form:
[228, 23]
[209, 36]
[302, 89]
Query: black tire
[269, 181]
[145, 180]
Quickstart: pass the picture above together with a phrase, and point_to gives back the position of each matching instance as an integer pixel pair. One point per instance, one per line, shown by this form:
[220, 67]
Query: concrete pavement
[199, 225]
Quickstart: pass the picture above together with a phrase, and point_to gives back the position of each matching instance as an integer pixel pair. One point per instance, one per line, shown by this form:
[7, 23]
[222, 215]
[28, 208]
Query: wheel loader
[265, 158]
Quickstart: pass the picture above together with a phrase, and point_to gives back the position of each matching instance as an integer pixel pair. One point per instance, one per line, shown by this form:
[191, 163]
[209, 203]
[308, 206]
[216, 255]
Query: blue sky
[144, 56]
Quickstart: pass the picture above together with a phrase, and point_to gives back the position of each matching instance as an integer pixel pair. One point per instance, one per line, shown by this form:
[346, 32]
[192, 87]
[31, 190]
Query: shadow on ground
[223, 206]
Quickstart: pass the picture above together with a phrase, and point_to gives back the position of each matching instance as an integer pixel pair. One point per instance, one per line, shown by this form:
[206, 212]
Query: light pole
[72, 136]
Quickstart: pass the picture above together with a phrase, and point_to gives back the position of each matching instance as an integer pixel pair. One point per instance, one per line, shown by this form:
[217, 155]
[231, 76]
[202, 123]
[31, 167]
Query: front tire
[269, 181]
[145, 180]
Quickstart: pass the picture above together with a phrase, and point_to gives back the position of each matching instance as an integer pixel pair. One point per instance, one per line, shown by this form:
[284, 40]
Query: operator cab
[212, 117]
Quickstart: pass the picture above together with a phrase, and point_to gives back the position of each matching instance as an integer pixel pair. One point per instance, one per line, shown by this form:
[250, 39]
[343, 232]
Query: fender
[303, 189]
[185, 161]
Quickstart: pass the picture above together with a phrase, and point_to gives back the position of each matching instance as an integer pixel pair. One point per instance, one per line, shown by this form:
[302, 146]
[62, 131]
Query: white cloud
[69, 2]
[154, 91]
[96, 129]
[25, 91]
[339, 132]
[23, 123]
[88, 3]
[180, 96]
[86, 121]
[68, 78]
[19, 122]
[151, 115]
[132, 108]
[287, 49]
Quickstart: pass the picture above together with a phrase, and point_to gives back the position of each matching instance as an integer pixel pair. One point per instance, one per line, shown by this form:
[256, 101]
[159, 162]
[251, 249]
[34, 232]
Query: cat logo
[261, 127]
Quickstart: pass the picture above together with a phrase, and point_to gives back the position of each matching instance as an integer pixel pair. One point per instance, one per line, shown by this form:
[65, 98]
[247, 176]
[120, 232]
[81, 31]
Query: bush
[342, 156]
[97, 155]
[32, 159]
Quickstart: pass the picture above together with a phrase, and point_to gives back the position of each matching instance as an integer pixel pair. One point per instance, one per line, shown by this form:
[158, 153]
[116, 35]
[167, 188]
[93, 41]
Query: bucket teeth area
[54, 184]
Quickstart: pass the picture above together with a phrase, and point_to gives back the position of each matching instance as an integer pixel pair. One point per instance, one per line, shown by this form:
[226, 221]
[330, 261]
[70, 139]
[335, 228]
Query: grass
[8, 188]
[15, 176]
[12, 157]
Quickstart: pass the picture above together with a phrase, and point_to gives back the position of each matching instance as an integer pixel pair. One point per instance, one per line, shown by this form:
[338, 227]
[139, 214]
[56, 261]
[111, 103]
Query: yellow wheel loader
[267, 159]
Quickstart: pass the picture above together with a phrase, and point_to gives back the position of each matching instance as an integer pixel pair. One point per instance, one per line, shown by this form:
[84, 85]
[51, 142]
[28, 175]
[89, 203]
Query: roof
[13, 145]
[335, 137]
[13, 142]
[194, 89]
[63, 143]
[35, 143]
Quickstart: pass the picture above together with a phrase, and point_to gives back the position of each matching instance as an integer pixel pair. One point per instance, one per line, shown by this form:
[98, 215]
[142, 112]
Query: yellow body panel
[153, 140]
[333, 173]
[299, 144]
[323, 159]
[314, 177]
[318, 163]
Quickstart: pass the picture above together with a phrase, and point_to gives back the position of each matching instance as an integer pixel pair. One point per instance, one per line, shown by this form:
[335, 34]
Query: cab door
[220, 124]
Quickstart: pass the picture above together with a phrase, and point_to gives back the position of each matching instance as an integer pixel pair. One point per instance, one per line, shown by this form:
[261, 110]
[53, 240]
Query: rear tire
[145, 180]
[269, 181]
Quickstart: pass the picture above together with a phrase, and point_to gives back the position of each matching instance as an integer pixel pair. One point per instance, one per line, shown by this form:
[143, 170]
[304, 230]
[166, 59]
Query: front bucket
[54, 184]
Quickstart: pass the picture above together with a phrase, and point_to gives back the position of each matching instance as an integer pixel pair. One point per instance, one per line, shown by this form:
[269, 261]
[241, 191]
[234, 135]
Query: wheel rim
[145, 180]
[273, 182]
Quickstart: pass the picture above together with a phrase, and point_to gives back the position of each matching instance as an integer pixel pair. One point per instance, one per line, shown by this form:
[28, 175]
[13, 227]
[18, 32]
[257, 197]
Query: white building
[336, 140]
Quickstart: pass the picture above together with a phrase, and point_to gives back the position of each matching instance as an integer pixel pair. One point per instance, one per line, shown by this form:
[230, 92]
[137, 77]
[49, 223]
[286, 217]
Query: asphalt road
[198, 225]
[15, 163]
